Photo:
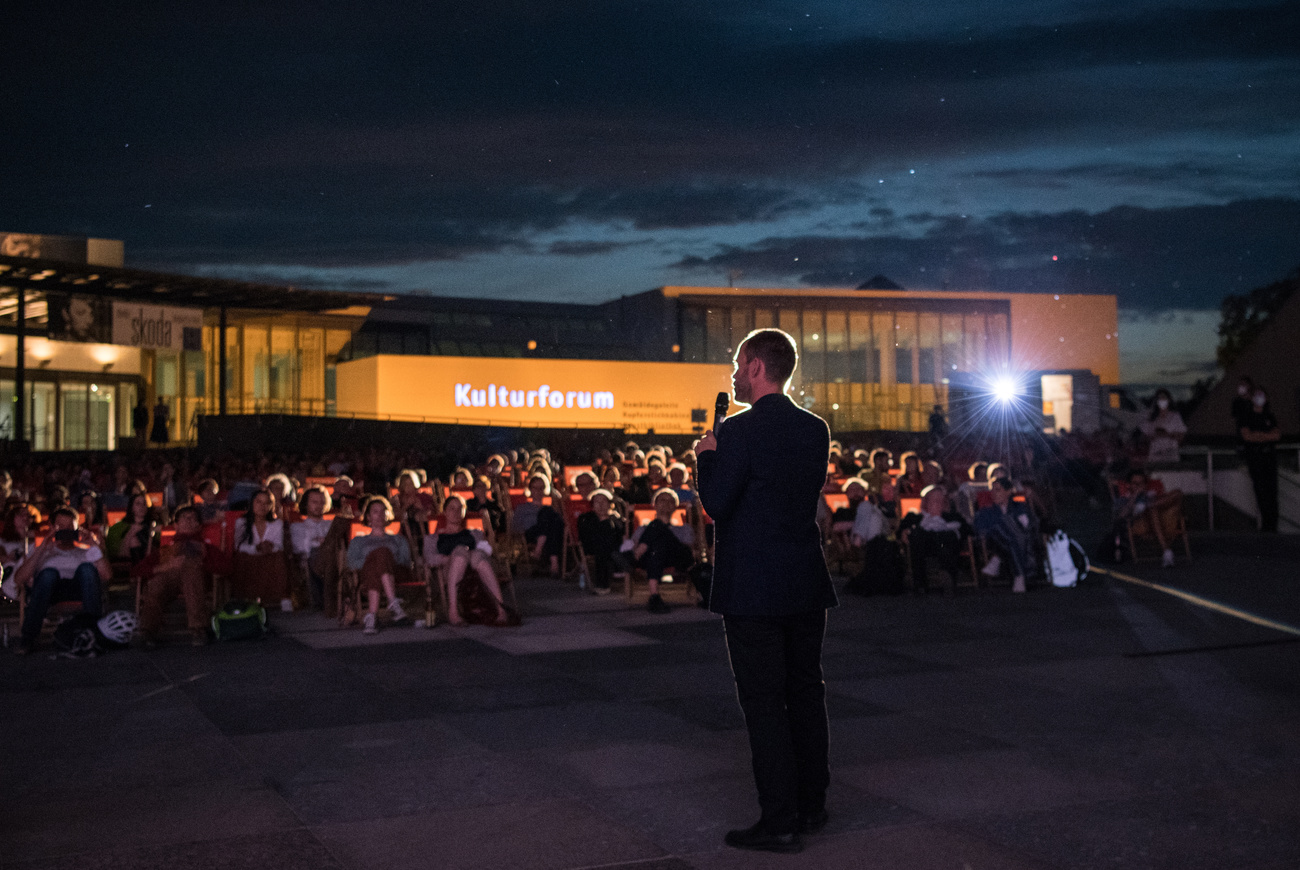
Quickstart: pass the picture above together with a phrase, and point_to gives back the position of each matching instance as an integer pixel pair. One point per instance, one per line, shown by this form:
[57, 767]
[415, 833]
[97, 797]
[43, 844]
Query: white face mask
[1242, 390]
[1162, 404]
[1260, 399]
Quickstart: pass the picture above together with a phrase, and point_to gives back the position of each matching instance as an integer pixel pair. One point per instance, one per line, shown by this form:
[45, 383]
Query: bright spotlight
[1004, 389]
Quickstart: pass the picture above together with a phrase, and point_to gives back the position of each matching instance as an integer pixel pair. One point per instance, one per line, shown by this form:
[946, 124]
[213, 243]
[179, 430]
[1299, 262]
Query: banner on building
[157, 326]
[80, 317]
[633, 396]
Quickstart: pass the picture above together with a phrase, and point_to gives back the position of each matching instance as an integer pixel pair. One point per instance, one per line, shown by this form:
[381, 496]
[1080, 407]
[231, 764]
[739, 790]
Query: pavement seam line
[1202, 602]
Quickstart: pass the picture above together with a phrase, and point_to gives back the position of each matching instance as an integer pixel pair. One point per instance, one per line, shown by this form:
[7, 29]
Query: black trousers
[1262, 466]
[777, 662]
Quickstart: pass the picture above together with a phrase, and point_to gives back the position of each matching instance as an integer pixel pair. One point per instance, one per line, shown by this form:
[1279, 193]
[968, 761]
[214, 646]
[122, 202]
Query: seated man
[1011, 530]
[842, 520]
[317, 542]
[70, 564]
[659, 546]
[205, 500]
[183, 569]
[935, 533]
[679, 479]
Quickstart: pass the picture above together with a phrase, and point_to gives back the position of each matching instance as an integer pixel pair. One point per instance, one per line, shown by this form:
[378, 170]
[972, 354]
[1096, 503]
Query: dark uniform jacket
[762, 487]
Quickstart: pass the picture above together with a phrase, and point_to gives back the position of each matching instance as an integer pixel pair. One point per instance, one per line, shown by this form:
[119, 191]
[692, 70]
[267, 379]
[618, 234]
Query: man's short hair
[776, 349]
[188, 510]
[64, 511]
[1004, 483]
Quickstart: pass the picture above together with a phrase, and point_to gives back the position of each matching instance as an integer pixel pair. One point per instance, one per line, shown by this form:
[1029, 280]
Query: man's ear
[757, 369]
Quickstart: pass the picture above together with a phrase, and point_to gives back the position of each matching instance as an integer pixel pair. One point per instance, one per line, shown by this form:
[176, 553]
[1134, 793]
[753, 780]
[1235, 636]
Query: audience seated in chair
[882, 566]
[485, 504]
[258, 569]
[938, 533]
[136, 535]
[541, 524]
[376, 558]
[317, 542]
[602, 531]
[69, 565]
[182, 569]
[1142, 504]
[1011, 531]
[456, 548]
[659, 546]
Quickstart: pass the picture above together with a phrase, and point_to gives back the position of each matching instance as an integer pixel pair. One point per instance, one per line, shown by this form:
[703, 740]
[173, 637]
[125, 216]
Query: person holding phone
[68, 565]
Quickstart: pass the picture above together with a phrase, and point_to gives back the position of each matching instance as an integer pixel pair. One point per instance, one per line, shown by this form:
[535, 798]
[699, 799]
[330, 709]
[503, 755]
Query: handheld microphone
[720, 410]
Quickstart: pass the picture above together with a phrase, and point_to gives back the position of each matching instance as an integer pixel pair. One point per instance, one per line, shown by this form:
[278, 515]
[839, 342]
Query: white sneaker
[992, 567]
[368, 625]
[1018, 584]
[1167, 561]
[395, 608]
[286, 605]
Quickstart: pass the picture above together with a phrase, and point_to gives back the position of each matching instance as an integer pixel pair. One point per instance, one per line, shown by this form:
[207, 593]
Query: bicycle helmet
[117, 626]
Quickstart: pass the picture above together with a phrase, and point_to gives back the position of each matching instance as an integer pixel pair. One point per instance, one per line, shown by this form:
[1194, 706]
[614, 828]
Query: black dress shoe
[812, 823]
[761, 839]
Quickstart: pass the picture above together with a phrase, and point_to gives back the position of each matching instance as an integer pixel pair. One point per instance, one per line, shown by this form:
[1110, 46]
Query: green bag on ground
[240, 620]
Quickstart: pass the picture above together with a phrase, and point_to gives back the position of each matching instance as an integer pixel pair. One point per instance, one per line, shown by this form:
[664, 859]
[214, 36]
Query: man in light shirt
[70, 564]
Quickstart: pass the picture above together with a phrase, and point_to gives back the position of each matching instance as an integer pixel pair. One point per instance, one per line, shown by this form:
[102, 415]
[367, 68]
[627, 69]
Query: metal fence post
[1209, 484]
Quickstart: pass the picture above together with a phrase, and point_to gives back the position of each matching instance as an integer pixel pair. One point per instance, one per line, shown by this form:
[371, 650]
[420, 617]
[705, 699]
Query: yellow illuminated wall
[632, 396]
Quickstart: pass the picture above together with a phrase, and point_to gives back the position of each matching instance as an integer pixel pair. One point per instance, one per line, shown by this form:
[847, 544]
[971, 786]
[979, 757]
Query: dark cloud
[1151, 258]
[321, 134]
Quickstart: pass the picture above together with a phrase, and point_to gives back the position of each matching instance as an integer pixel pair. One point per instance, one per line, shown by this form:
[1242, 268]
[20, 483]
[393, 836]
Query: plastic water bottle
[582, 579]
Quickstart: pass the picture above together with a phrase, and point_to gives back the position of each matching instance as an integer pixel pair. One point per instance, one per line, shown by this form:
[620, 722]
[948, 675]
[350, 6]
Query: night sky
[581, 151]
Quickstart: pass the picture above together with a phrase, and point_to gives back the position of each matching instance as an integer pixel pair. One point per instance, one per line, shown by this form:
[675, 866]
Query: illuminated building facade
[100, 339]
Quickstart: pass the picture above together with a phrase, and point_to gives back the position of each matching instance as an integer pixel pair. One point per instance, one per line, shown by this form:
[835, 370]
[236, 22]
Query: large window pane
[102, 428]
[692, 334]
[73, 406]
[837, 347]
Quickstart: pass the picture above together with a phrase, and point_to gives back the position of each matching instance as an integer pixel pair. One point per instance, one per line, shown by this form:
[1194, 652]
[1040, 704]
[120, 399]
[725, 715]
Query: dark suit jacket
[761, 487]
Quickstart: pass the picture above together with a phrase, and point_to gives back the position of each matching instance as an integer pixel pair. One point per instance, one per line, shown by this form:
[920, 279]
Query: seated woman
[1144, 504]
[258, 568]
[135, 535]
[205, 500]
[602, 531]
[877, 476]
[659, 546]
[484, 504]
[542, 525]
[968, 494]
[679, 479]
[91, 508]
[16, 539]
[584, 483]
[912, 481]
[283, 496]
[376, 557]
[462, 479]
[412, 507]
[612, 479]
[1011, 531]
[457, 548]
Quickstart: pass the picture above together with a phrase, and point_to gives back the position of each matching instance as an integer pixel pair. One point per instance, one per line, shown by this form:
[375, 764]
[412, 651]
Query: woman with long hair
[135, 535]
[457, 549]
[376, 557]
[259, 569]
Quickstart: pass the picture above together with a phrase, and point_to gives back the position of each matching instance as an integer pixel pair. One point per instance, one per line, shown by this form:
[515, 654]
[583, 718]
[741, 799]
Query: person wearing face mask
[1165, 428]
[1259, 436]
[1241, 403]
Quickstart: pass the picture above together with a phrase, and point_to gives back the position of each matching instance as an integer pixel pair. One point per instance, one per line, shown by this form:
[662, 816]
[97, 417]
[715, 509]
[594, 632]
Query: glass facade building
[863, 363]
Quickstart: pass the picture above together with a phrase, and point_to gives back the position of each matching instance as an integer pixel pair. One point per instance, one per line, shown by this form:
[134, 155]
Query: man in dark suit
[760, 479]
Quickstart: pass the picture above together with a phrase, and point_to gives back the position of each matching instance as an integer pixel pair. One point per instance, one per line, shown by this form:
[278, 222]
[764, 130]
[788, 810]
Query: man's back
[761, 487]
